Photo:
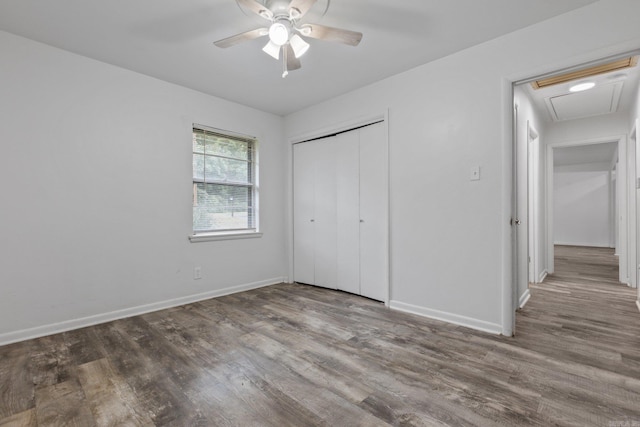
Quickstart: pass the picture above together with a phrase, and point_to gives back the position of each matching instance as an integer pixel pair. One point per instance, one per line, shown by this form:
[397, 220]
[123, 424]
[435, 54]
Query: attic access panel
[597, 101]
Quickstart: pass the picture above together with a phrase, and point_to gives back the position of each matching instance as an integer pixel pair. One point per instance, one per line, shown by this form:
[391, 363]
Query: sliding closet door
[348, 209]
[325, 212]
[374, 212]
[303, 213]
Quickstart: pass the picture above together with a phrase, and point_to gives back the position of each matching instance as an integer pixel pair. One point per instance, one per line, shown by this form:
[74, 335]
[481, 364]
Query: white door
[532, 190]
[348, 209]
[632, 264]
[521, 210]
[325, 213]
[374, 204]
[636, 139]
[304, 213]
[622, 210]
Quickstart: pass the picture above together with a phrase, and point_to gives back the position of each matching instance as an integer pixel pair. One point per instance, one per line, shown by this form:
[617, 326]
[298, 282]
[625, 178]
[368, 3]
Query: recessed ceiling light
[582, 86]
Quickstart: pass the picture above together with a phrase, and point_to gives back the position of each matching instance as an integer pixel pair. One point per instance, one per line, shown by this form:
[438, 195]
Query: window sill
[231, 235]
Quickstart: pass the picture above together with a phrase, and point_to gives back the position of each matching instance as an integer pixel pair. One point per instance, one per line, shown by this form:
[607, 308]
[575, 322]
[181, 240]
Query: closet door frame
[344, 126]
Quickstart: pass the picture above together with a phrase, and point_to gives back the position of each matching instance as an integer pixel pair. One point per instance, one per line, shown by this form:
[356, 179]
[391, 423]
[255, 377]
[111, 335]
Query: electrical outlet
[197, 273]
[475, 173]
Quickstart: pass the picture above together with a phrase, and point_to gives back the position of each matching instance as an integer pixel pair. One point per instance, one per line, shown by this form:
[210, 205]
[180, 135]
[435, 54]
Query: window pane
[198, 142]
[227, 147]
[222, 169]
[222, 207]
[198, 166]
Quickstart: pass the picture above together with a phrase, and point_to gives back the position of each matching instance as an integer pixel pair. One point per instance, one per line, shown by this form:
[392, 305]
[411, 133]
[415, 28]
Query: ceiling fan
[285, 30]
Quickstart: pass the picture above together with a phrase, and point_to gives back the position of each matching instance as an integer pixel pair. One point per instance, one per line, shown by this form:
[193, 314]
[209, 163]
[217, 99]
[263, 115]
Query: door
[340, 204]
[304, 213]
[374, 213]
[325, 213]
[348, 210]
[521, 209]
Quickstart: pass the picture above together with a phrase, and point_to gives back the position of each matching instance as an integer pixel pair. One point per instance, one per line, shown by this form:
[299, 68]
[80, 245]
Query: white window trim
[210, 236]
[224, 235]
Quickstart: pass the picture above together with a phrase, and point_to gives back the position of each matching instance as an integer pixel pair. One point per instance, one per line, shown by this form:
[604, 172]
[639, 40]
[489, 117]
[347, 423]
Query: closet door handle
[362, 220]
[313, 220]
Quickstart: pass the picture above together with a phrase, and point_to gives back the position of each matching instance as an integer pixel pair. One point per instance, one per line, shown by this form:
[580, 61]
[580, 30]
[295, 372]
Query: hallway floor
[582, 315]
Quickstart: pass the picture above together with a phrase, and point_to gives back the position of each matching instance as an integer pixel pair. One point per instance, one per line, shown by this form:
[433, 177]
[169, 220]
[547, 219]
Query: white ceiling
[172, 40]
[614, 92]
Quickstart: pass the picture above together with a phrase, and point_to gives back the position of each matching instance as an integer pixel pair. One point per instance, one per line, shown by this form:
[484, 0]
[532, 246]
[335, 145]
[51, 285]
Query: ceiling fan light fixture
[294, 13]
[305, 30]
[266, 14]
[272, 50]
[582, 86]
[299, 46]
[278, 33]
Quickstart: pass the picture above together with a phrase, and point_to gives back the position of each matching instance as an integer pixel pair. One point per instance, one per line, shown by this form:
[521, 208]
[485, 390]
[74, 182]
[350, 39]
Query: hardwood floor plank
[16, 382]
[156, 395]
[63, 404]
[111, 400]
[51, 362]
[21, 419]
[83, 346]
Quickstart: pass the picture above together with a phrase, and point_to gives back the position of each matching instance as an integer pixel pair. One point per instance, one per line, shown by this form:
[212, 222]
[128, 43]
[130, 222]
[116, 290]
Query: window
[224, 186]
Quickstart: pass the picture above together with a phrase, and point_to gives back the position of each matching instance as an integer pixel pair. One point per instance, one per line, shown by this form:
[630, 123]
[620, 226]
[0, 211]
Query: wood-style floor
[293, 355]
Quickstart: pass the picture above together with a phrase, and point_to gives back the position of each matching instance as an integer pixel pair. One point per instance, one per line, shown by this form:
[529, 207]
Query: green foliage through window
[223, 182]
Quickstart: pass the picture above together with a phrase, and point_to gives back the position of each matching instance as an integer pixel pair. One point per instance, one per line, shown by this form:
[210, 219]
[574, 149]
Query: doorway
[552, 123]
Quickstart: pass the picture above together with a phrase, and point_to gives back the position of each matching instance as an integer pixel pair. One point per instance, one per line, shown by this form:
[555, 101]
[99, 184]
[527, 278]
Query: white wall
[581, 208]
[589, 128]
[95, 177]
[450, 237]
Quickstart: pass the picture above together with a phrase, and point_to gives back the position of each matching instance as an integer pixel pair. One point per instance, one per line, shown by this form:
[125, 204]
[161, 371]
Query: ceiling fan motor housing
[278, 7]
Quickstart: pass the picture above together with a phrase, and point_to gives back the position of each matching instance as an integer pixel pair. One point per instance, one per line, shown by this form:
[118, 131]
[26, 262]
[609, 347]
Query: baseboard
[524, 298]
[468, 322]
[585, 244]
[543, 276]
[68, 325]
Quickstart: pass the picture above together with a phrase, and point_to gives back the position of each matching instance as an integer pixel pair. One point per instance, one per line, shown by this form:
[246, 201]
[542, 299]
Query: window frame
[252, 186]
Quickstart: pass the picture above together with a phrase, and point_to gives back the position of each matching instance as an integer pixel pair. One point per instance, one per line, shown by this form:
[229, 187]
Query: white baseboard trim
[456, 319]
[524, 298]
[586, 244]
[638, 304]
[543, 276]
[68, 325]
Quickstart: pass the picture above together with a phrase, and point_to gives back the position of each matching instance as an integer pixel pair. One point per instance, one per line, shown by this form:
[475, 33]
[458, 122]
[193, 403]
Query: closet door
[348, 211]
[325, 212]
[303, 213]
[374, 192]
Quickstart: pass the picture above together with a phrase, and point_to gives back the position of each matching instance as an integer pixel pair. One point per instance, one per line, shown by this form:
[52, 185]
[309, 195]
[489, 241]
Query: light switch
[475, 173]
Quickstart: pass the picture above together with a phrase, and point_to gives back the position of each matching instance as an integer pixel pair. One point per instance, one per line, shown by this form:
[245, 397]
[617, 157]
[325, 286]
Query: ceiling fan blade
[256, 8]
[293, 63]
[242, 37]
[301, 7]
[321, 32]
